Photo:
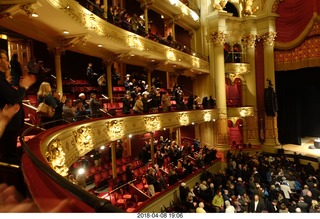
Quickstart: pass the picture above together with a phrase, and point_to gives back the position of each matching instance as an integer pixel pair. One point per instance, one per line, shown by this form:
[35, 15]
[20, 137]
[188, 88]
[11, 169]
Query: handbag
[45, 110]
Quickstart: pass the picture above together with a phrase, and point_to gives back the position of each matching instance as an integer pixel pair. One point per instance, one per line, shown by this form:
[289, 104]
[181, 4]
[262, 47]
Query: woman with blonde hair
[45, 95]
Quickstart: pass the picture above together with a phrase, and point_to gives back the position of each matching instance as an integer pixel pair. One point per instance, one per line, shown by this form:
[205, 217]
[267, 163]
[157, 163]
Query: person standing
[45, 95]
[11, 96]
[94, 106]
[90, 74]
[16, 71]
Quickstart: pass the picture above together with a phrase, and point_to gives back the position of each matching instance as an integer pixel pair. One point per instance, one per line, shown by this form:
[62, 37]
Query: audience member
[11, 96]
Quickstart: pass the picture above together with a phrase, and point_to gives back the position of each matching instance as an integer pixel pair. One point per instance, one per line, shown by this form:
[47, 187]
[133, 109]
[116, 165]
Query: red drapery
[294, 17]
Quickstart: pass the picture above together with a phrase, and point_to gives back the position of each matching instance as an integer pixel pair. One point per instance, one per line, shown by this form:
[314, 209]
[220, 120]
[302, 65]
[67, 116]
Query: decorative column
[109, 80]
[152, 147]
[146, 19]
[149, 70]
[105, 10]
[113, 160]
[173, 31]
[217, 40]
[178, 136]
[57, 63]
[252, 130]
[271, 128]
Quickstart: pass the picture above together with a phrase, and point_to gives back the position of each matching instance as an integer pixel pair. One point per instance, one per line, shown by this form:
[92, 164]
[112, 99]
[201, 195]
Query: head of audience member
[44, 89]
[4, 63]
[82, 96]
[93, 96]
[79, 104]
[68, 102]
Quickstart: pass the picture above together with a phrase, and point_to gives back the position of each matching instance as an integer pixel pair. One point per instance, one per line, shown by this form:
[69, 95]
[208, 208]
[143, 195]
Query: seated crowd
[130, 22]
[254, 184]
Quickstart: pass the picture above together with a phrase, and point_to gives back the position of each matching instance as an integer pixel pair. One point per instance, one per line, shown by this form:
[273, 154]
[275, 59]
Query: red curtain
[294, 18]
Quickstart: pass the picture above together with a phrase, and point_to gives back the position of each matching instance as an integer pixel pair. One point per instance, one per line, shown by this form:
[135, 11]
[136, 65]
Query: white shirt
[230, 209]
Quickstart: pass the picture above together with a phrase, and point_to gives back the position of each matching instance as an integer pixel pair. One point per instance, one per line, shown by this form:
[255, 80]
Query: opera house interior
[160, 105]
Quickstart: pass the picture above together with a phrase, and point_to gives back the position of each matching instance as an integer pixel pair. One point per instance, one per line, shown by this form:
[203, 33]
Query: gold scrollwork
[56, 157]
[183, 118]
[83, 139]
[207, 116]
[245, 111]
[115, 129]
[152, 123]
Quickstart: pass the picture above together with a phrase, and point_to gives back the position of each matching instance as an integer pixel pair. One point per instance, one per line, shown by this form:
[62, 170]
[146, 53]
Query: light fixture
[192, 123]
[81, 171]
[164, 129]
[34, 15]
[130, 136]
[102, 147]
[152, 60]
[99, 45]
[174, 66]
[194, 54]
[65, 32]
[162, 16]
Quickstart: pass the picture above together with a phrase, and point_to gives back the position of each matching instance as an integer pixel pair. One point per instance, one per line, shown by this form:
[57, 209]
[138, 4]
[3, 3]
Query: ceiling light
[152, 60]
[130, 136]
[34, 15]
[66, 32]
[99, 45]
[162, 16]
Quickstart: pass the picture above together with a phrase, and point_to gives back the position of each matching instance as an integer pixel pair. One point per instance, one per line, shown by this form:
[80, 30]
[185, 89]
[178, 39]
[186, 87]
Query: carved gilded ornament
[248, 8]
[222, 112]
[183, 118]
[250, 40]
[83, 139]
[269, 38]
[275, 5]
[246, 111]
[219, 4]
[207, 116]
[218, 38]
[134, 42]
[115, 129]
[152, 123]
[28, 9]
[56, 157]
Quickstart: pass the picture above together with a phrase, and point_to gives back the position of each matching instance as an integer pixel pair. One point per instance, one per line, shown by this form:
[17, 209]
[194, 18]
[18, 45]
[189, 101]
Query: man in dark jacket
[11, 96]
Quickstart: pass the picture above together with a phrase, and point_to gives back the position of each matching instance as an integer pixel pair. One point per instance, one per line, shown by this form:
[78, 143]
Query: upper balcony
[91, 35]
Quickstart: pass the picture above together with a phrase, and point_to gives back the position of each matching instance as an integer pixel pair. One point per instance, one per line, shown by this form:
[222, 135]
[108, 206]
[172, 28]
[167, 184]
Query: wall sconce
[29, 10]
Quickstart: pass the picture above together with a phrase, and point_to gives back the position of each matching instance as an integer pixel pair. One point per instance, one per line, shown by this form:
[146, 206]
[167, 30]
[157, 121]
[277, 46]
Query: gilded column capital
[275, 5]
[217, 38]
[250, 40]
[269, 38]
[146, 4]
